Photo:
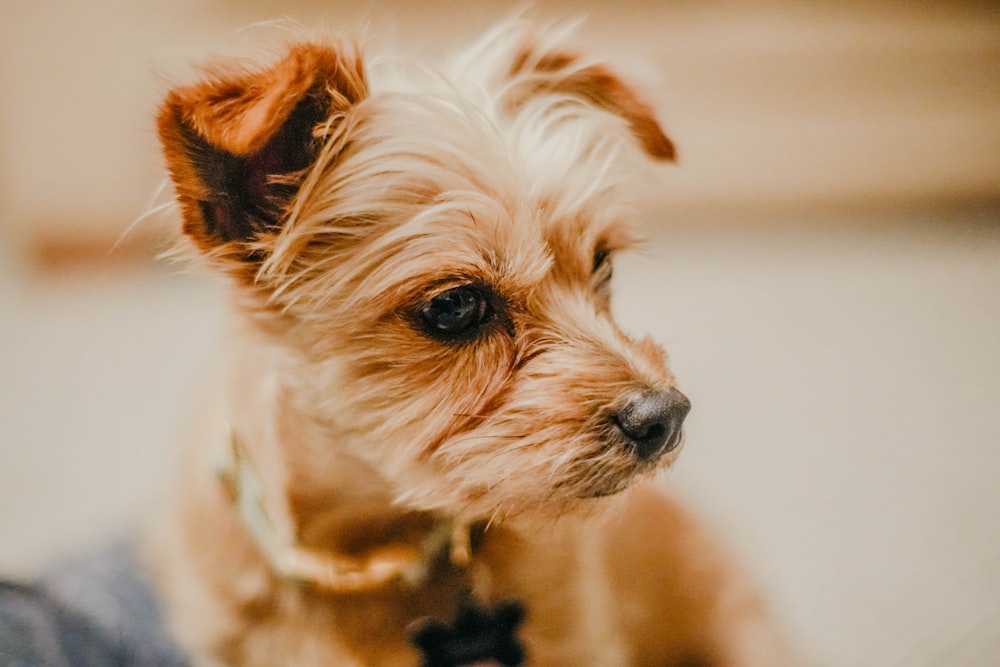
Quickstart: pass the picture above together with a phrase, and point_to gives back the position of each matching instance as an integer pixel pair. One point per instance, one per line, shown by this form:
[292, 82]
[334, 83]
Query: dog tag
[478, 635]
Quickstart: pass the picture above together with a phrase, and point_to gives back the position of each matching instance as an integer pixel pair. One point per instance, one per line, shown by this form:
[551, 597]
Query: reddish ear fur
[236, 143]
[559, 72]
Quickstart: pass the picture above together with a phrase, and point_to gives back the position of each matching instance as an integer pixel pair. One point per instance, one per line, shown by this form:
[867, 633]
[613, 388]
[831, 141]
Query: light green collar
[404, 564]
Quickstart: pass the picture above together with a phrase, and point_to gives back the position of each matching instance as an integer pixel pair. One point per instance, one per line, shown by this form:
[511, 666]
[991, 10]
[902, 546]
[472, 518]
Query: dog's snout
[651, 422]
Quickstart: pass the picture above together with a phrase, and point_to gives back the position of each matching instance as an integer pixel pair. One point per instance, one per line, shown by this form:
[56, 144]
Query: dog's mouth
[611, 477]
[566, 462]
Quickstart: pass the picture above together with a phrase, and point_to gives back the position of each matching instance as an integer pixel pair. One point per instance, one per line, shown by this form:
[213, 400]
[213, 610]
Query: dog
[426, 399]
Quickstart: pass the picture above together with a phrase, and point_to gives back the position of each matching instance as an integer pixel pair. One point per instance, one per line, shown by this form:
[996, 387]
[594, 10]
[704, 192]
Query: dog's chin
[611, 487]
[504, 501]
[589, 496]
[607, 491]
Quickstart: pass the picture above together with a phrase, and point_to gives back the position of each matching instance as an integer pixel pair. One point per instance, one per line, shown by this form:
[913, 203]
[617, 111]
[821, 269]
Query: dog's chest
[545, 603]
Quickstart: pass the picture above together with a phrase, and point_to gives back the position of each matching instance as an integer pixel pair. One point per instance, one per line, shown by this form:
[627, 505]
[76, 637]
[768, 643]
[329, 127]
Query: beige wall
[775, 105]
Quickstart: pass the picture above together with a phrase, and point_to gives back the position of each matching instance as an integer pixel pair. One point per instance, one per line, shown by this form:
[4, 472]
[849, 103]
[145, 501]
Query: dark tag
[479, 635]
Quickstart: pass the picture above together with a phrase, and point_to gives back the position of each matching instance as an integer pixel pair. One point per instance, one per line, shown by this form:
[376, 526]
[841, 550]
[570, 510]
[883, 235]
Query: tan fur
[339, 204]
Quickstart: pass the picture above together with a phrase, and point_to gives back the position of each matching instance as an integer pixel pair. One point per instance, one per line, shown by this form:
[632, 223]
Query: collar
[408, 565]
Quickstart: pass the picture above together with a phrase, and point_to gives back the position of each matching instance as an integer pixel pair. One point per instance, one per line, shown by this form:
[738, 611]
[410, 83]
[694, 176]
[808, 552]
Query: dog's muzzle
[650, 422]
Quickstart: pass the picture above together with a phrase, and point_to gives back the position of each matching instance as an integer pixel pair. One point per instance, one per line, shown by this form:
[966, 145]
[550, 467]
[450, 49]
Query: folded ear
[538, 69]
[238, 143]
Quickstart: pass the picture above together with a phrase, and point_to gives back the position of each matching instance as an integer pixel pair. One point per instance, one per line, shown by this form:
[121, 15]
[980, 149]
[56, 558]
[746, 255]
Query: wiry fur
[505, 172]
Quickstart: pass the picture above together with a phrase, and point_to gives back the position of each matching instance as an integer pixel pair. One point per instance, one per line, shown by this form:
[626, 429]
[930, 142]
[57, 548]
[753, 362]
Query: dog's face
[432, 262]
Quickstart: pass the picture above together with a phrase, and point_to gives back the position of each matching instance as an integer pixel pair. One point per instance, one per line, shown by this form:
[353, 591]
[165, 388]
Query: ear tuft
[238, 143]
[559, 70]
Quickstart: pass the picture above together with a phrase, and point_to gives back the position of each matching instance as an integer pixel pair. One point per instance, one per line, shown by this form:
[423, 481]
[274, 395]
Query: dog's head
[431, 258]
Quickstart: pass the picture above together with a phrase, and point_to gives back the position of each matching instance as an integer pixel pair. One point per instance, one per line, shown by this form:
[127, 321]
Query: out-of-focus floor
[845, 437]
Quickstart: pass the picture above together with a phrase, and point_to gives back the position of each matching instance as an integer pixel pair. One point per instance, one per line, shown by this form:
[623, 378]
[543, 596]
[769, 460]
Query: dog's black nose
[651, 422]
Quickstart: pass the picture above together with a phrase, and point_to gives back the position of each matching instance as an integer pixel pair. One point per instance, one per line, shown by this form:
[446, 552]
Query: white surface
[845, 435]
[95, 379]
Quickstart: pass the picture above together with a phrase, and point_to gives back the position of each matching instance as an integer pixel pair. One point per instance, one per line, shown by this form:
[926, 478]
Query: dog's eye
[456, 312]
[602, 257]
[602, 269]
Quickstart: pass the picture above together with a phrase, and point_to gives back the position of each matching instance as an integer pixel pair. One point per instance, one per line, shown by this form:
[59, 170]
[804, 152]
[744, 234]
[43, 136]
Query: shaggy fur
[342, 200]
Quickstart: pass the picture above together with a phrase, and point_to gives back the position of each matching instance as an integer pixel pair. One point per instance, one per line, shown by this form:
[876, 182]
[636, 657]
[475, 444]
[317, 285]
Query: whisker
[150, 211]
[493, 517]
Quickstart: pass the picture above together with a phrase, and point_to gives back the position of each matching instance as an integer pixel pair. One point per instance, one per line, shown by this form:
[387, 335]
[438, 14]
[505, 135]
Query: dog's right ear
[238, 143]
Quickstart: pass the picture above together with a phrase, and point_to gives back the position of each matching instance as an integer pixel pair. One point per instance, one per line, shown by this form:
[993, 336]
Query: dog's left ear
[238, 143]
[538, 69]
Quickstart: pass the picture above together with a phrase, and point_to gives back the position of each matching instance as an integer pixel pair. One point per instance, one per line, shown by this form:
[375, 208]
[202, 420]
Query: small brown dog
[428, 397]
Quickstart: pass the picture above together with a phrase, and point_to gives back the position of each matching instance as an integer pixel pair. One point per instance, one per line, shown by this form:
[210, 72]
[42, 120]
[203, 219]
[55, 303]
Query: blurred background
[823, 267]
